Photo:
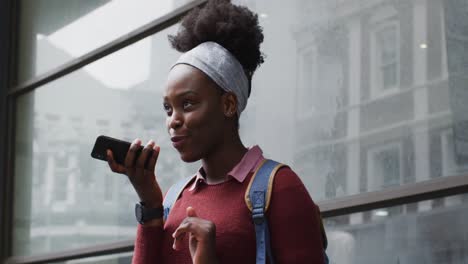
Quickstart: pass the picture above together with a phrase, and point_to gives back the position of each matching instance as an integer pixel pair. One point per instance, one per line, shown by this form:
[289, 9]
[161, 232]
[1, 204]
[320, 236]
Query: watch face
[139, 213]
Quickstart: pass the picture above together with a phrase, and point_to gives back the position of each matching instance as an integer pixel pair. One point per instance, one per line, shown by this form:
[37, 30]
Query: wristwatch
[144, 214]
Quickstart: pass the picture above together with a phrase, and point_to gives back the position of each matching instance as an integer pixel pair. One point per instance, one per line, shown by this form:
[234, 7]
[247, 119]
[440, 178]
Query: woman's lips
[178, 141]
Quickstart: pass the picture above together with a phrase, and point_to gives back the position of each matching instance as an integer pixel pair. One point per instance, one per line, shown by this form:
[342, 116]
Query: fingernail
[108, 152]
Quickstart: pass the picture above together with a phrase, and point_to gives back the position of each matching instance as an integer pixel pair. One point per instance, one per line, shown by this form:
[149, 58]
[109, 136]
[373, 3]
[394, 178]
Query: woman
[207, 90]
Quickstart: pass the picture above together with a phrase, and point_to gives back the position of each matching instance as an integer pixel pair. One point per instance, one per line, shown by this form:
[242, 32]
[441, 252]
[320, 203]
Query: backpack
[257, 199]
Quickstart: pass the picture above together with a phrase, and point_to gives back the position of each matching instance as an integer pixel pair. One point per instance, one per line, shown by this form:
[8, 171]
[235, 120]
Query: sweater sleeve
[148, 245]
[294, 221]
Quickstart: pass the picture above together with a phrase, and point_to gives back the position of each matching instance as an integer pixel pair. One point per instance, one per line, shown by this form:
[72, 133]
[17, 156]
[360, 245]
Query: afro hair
[236, 28]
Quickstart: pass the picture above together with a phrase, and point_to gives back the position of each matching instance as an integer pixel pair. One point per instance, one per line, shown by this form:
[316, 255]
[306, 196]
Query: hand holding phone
[118, 147]
[133, 160]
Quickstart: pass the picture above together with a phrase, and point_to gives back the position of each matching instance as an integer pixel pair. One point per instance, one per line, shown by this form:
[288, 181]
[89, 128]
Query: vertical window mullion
[8, 57]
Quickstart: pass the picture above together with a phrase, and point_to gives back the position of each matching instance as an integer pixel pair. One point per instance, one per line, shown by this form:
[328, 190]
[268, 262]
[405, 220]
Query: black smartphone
[119, 149]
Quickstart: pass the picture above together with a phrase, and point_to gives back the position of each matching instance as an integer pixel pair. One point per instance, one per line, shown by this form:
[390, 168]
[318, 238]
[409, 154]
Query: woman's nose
[175, 120]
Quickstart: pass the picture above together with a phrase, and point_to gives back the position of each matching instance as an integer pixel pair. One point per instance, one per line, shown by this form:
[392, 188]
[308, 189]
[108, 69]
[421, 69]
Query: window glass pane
[342, 80]
[387, 42]
[387, 47]
[433, 231]
[388, 166]
[65, 199]
[389, 75]
[53, 32]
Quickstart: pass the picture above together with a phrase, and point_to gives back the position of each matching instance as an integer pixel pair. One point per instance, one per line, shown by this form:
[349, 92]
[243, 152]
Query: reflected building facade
[373, 105]
[357, 96]
[74, 197]
[375, 110]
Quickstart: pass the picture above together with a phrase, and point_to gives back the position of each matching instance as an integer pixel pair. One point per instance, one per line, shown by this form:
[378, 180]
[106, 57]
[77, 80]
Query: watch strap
[144, 214]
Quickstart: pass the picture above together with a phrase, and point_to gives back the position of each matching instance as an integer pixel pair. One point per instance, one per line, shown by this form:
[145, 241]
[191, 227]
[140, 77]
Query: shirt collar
[248, 163]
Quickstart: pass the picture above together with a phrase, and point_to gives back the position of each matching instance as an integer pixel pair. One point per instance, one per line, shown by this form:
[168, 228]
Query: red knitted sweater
[293, 223]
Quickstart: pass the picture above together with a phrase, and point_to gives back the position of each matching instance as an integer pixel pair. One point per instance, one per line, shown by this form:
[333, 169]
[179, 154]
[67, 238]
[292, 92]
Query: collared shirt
[247, 164]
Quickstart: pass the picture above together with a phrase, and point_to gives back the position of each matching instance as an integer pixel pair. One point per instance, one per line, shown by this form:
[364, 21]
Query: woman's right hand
[142, 178]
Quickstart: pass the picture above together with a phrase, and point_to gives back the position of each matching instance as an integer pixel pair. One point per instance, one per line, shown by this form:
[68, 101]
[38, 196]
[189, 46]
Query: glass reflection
[64, 199]
[431, 231]
[54, 32]
[367, 96]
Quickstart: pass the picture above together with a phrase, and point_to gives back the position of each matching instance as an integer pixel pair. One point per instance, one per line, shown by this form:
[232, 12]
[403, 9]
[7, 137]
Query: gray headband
[222, 67]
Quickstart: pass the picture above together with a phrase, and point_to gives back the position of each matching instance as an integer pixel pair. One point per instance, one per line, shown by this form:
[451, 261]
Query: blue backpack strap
[173, 194]
[257, 198]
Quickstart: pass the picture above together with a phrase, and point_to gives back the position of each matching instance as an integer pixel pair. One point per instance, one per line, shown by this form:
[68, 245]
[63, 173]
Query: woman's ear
[229, 104]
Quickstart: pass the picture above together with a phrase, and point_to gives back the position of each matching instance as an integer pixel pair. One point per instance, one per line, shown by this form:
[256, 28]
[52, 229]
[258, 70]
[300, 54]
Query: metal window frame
[404, 194]
[435, 188]
[8, 53]
[99, 250]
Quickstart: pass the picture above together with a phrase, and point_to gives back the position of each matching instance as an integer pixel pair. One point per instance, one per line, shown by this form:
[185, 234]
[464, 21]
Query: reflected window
[126, 128]
[109, 187]
[63, 180]
[385, 56]
[102, 122]
[77, 125]
[52, 117]
[103, 126]
[60, 190]
[384, 166]
[308, 82]
[450, 166]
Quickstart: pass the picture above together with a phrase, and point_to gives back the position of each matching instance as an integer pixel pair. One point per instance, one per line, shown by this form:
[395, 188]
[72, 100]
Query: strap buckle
[258, 215]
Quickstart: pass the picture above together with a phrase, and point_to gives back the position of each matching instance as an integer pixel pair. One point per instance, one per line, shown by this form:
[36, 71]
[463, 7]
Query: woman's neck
[222, 160]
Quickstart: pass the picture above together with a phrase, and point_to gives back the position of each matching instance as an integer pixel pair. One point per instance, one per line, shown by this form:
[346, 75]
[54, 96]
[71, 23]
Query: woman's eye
[167, 108]
[187, 104]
